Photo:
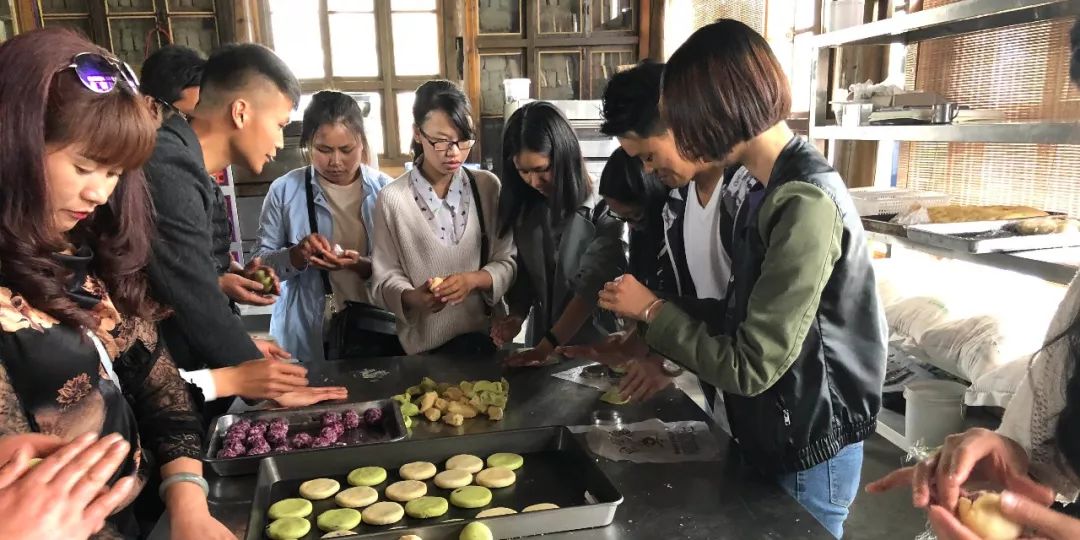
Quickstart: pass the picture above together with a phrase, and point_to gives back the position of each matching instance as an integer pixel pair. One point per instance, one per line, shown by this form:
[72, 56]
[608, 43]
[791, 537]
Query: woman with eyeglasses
[568, 244]
[309, 214]
[85, 383]
[438, 264]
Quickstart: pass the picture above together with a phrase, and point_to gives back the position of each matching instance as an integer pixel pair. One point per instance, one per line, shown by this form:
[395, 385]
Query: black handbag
[358, 330]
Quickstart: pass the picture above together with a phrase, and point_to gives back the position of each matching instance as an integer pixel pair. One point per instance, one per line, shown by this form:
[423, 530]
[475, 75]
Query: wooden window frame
[99, 19]
[387, 83]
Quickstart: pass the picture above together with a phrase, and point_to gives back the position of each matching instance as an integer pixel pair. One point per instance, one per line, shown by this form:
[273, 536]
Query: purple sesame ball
[241, 425]
[302, 440]
[351, 419]
[259, 449]
[279, 421]
[276, 438]
[235, 437]
[373, 417]
[281, 448]
[331, 417]
[255, 438]
[236, 447]
[227, 453]
[329, 433]
[256, 430]
[321, 442]
[262, 422]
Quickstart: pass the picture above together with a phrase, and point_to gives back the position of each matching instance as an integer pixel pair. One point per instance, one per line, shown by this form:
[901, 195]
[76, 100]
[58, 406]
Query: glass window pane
[500, 17]
[405, 119]
[129, 6]
[191, 6]
[560, 76]
[494, 68]
[129, 41]
[353, 45]
[612, 15]
[560, 17]
[373, 122]
[199, 33]
[416, 43]
[54, 7]
[412, 5]
[605, 64]
[355, 6]
[295, 28]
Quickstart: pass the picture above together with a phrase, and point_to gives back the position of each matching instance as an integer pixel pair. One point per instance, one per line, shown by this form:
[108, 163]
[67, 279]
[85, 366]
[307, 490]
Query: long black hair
[329, 107]
[624, 179]
[1068, 425]
[445, 96]
[541, 127]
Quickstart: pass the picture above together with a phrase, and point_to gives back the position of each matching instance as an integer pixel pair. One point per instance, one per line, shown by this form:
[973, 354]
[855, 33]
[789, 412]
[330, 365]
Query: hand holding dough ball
[983, 516]
[434, 283]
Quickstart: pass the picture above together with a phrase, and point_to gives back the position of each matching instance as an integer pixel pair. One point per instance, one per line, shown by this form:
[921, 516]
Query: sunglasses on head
[100, 74]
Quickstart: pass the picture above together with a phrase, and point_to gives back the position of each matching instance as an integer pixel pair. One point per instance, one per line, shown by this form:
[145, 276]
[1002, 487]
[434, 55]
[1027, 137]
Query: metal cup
[945, 113]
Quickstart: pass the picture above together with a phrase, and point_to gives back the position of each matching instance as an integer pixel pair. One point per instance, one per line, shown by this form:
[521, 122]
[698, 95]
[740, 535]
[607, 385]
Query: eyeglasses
[637, 217]
[100, 74]
[443, 145]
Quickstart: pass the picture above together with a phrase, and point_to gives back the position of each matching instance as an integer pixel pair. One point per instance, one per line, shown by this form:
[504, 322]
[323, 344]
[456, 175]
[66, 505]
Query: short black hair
[1074, 44]
[541, 127]
[625, 180]
[232, 67]
[445, 96]
[631, 101]
[723, 86]
[171, 70]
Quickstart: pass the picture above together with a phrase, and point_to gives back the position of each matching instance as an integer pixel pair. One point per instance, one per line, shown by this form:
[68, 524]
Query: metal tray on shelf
[986, 237]
[557, 470]
[304, 420]
[883, 224]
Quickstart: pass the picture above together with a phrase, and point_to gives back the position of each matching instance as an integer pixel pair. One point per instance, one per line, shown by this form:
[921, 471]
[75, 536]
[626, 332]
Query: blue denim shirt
[297, 320]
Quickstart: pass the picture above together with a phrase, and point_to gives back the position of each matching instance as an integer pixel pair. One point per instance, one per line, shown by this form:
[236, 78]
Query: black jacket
[830, 396]
[187, 260]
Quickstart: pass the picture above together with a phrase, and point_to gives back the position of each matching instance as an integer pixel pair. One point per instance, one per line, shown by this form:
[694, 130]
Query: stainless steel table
[701, 500]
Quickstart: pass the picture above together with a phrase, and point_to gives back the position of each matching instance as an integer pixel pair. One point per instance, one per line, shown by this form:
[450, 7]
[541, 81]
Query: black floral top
[53, 380]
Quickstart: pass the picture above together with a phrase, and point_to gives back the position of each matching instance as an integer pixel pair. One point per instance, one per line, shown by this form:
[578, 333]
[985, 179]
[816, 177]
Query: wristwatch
[671, 369]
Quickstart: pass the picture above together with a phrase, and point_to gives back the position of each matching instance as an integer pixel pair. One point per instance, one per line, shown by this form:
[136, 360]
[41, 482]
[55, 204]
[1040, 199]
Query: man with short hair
[246, 96]
[170, 79]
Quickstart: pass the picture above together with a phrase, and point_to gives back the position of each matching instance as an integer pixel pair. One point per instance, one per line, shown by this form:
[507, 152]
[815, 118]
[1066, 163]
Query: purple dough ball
[263, 423]
[255, 438]
[279, 421]
[235, 438]
[329, 418]
[321, 442]
[281, 448]
[329, 433]
[257, 430]
[302, 440]
[259, 449]
[237, 447]
[278, 432]
[227, 453]
[241, 425]
[351, 419]
[373, 417]
[276, 439]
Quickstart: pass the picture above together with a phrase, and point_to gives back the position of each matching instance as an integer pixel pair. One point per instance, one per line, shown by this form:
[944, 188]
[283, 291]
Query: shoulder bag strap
[308, 191]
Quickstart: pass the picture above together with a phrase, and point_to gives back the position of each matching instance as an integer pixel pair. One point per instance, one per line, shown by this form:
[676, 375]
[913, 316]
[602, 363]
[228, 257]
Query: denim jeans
[827, 489]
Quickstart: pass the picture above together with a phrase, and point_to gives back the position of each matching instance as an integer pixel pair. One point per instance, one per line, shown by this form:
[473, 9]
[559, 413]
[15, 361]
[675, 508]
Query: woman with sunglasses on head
[568, 243]
[340, 188]
[438, 264]
[79, 352]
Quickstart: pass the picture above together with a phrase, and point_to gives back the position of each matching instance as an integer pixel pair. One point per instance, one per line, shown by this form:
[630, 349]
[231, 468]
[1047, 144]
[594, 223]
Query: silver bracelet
[184, 477]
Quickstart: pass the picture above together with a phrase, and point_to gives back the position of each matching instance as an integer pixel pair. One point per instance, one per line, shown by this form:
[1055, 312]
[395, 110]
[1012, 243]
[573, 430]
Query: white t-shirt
[709, 264]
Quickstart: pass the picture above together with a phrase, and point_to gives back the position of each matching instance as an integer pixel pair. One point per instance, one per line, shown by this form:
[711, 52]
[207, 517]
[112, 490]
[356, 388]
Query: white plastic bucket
[516, 89]
[935, 410]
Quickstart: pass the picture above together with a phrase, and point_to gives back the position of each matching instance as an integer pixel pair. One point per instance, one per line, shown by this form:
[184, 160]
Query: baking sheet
[305, 420]
[882, 224]
[557, 470]
[986, 237]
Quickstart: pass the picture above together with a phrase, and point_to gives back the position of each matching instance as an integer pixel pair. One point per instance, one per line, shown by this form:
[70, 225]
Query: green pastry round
[288, 529]
[476, 531]
[367, 476]
[426, 507]
[339, 519]
[471, 497]
[290, 508]
[502, 459]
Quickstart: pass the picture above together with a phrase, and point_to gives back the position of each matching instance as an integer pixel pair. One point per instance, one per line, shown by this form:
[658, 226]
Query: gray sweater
[407, 254]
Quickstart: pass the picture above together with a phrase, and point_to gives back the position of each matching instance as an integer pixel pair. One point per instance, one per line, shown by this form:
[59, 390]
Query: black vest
[831, 395]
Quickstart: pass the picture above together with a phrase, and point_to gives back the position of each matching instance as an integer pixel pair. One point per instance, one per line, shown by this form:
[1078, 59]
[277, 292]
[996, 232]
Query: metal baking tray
[304, 419]
[882, 224]
[557, 470]
[986, 237]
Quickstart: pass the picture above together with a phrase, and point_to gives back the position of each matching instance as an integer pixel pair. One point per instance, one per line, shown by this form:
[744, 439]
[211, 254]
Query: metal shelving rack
[963, 17]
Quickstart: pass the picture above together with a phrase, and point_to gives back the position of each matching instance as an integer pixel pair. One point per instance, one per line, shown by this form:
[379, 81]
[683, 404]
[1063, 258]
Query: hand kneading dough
[465, 462]
[476, 531]
[539, 507]
[496, 512]
[427, 507]
[502, 459]
[383, 513]
[288, 529]
[983, 516]
[356, 497]
[319, 489]
[339, 519]
[406, 490]
[471, 497]
[286, 508]
[419, 470]
[453, 479]
[496, 477]
[367, 476]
